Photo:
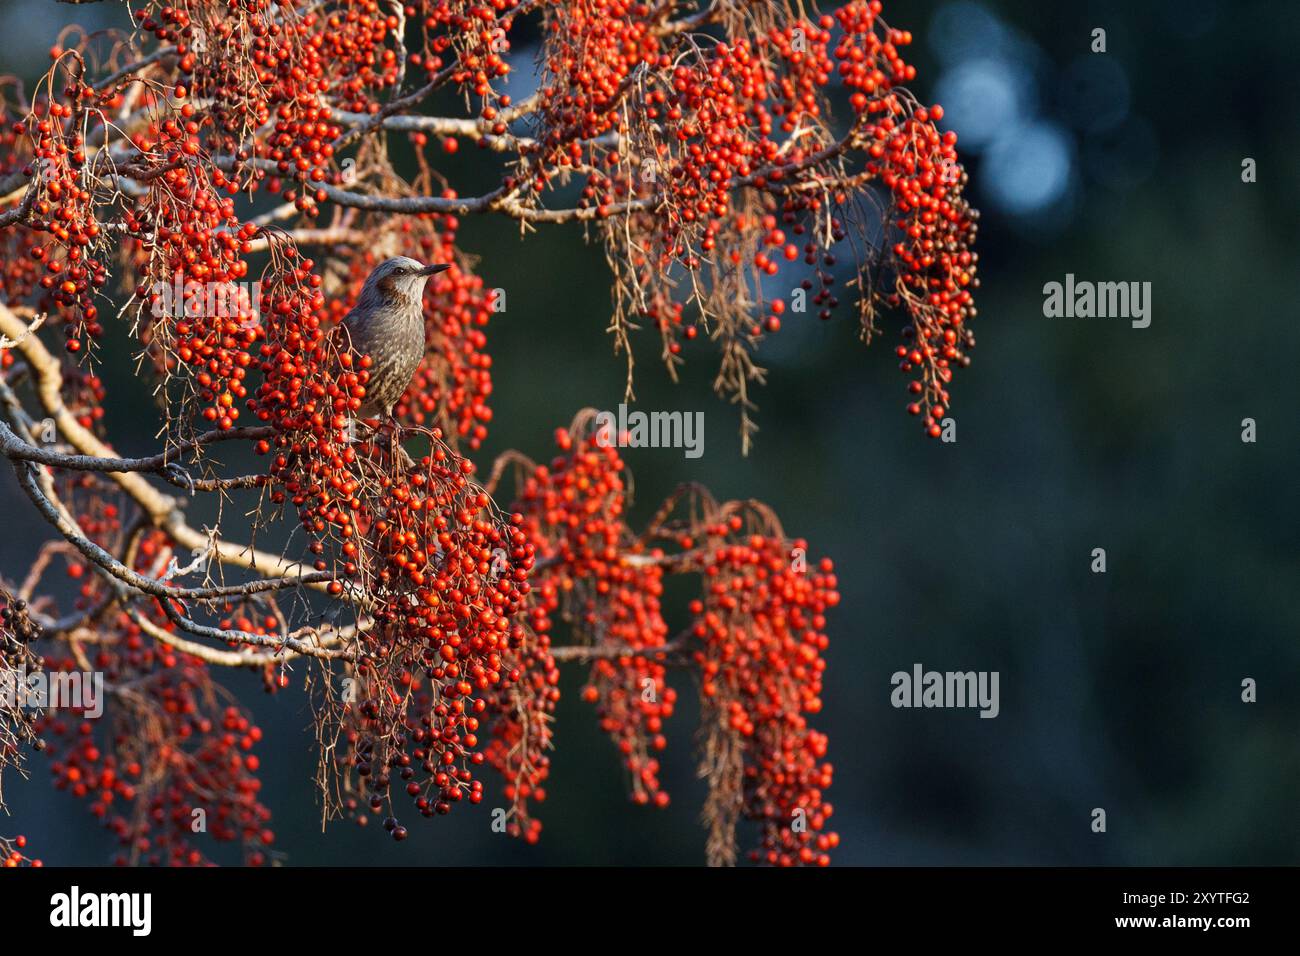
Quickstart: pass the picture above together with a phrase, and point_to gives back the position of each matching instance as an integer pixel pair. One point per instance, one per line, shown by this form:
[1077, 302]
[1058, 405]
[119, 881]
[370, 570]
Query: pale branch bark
[500, 200]
[120, 577]
[375, 121]
[670, 653]
[14, 447]
[37, 321]
[101, 557]
[19, 212]
[211, 655]
[445, 126]
[467, 128]
[287, 643]
[49, 384]
[330, 236]
[676, 561]
[162, 510]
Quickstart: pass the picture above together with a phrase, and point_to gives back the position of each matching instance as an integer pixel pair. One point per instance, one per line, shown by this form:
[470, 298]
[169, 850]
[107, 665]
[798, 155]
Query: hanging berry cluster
[259, 62]
[169, 764]
[447, 580]
[65, 243]
[574, 507]
[761, 624]
[198, 313]
[310, 389]
[522, 714]
[756, 642]
[13, 853]
[160, 752]
[473, 36]
[714, 167]
[23, 268]
[933, 256]
[592, 48]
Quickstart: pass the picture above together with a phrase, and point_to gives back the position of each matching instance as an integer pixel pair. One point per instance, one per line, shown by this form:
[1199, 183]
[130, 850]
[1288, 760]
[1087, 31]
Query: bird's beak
[435, 268]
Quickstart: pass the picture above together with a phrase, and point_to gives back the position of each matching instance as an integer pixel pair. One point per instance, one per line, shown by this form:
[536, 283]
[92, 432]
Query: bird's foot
[401, 460]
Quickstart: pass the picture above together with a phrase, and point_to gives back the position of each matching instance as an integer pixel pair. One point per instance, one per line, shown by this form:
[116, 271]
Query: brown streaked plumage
[387, 323]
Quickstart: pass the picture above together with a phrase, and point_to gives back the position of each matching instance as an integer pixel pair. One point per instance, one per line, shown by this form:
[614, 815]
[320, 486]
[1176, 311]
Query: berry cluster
[473, 34]
[67, 243]
[523, 712]
[447, 577]
[591, 49]
[309, 390]
[260, 62]
[726, 169]
[200, 321]
[13, 853]
[172, 764]
[18, 632]
[22, 267]
[761, 623]
[17, 628]
[167, 761]
[574, 508]
[933, 256]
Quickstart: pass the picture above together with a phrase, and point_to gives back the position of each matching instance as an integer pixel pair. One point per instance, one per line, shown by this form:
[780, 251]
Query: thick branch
[101, 557]
[161, 509]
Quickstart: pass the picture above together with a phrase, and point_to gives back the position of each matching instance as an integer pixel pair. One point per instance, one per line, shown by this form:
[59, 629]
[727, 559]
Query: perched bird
[387, 323]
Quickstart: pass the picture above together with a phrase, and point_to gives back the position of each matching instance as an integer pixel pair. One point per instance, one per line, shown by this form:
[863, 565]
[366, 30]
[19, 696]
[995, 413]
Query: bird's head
[399, 280]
